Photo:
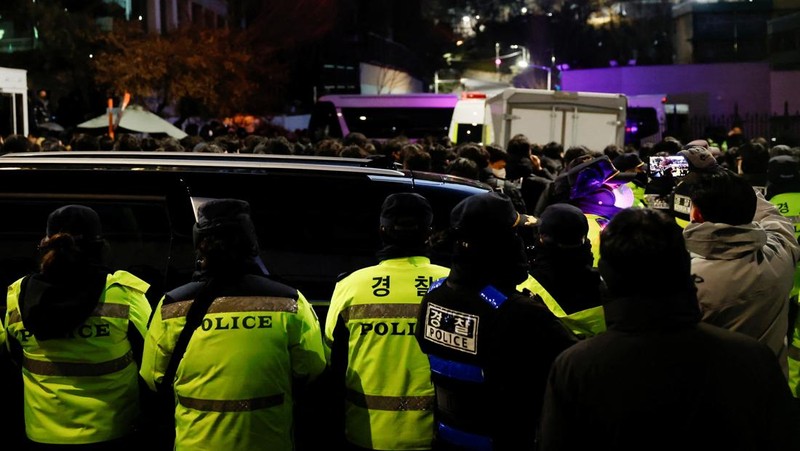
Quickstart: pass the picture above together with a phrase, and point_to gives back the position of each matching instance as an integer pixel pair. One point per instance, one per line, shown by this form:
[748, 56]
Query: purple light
[563, 67]
[497, 62]
[613, 63]
[631, 62]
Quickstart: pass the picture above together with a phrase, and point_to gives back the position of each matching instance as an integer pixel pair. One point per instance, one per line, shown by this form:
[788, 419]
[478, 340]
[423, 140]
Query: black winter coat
[658, 379]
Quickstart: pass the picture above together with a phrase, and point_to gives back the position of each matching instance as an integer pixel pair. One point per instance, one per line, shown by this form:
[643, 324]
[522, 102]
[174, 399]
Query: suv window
[137, 231]
[313, 223]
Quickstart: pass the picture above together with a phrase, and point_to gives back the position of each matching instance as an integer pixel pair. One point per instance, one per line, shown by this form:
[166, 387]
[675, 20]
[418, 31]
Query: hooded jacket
[78, 344]
[744, 274]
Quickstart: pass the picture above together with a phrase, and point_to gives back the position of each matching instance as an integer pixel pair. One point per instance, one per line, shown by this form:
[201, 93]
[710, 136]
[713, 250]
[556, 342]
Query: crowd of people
[590, 302]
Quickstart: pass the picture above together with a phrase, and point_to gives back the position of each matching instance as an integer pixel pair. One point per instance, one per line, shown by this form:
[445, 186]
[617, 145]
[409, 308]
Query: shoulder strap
[194, 316]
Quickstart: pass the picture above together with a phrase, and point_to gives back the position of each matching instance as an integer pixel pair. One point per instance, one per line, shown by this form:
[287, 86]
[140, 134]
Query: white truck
[591, 119]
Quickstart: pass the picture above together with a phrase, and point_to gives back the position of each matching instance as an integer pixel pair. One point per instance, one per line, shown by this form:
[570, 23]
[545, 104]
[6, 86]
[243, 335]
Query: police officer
[783, 191]
[254, 339]
[370, 331]
[561, 270]
[77, 330]
[489, 345]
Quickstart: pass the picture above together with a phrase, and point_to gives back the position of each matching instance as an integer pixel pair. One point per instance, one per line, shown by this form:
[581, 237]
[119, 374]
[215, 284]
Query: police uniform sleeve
[12, 308]
[2, 335]
[135, 290]
[157, 350]
[306, 347]
[339, 299]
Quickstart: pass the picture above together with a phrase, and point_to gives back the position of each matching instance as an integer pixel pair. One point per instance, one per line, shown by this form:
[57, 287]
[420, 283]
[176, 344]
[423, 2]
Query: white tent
[136, 119]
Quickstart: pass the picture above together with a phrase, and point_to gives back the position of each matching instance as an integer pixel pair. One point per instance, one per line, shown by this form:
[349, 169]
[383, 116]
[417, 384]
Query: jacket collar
[646, 313]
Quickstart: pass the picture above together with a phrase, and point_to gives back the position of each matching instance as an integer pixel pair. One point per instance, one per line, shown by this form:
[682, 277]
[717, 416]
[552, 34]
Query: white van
[469, 119]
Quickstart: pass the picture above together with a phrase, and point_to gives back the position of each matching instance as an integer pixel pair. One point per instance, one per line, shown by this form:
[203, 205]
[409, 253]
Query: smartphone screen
[676, 165]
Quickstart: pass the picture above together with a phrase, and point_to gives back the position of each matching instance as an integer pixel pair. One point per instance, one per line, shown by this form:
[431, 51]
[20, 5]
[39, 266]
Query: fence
[777, 129]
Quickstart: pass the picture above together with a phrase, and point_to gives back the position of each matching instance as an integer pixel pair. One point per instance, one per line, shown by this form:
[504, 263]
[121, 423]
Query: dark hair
[553, 150]
[441, 157]
[352, 151]
[416, 158]
[127, 141]
[755, 158]
[496, 154]
[519, 146]
[17, 143]
[722, 196]
[170, 144]
[62, 255]
[279, 146]
[149, 144]
[464, 167]
[613, 151]
[639, 243]
[105, 142]
[668, 145]
[355, 138]
[392, 146]
[475, 153]
[575, 152]
[84, 141]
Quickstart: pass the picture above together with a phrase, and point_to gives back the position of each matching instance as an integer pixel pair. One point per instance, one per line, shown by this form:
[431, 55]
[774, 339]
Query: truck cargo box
[594, 120]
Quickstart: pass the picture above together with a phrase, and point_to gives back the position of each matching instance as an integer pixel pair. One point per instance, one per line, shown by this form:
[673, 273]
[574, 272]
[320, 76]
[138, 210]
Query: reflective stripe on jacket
[585, 323]
[390, 396]
[233, 386]
[83, 389]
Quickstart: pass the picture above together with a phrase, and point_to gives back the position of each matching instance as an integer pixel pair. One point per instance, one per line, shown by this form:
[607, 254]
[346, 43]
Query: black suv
[316, 217]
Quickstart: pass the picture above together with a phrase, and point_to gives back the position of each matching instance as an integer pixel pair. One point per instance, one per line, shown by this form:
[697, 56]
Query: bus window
[382, 117]
[413, 123]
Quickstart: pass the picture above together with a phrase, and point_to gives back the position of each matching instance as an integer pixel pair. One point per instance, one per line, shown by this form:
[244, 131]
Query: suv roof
[317, 217]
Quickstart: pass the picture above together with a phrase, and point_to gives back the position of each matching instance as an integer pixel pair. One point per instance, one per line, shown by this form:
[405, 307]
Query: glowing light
[362, 118]
[524, 10]
[91, 55]
[459, 42]
[465, 19]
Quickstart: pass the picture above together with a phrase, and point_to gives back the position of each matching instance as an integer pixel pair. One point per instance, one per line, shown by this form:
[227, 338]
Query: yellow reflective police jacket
[2, 334]
[596, 225]
[233, 386]
[584, 323]
[390, 396]
[639, 200]
[83, 389]
[788, 205]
